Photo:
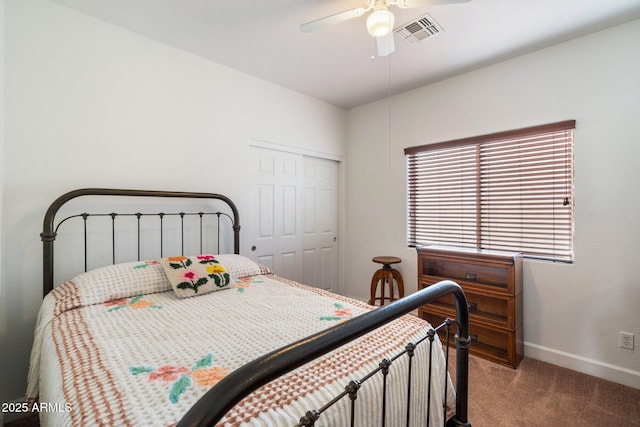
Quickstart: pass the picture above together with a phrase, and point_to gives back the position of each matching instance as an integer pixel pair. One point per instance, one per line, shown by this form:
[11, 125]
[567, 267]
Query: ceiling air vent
[420, 29]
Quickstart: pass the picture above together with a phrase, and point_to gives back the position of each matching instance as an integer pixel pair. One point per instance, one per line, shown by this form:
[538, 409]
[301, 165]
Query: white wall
[91, 105]
[572, 313]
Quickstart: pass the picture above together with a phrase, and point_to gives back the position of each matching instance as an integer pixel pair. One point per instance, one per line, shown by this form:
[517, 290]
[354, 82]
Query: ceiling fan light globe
[380, 23]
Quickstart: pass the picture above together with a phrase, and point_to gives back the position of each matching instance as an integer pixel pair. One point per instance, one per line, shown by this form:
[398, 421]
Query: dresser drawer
[496, 277]
[497, 272]
[497, 345]
[491, 309]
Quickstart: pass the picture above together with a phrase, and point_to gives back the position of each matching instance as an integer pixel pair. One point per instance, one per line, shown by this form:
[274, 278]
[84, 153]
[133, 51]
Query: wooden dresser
[492, 282]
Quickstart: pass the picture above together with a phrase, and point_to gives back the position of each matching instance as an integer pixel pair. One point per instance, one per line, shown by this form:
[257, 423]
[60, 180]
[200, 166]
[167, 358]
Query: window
[510, 191]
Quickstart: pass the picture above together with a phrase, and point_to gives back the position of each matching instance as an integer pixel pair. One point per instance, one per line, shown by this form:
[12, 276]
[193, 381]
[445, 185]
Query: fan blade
[332, 19]
[385, 44]
[406, 4]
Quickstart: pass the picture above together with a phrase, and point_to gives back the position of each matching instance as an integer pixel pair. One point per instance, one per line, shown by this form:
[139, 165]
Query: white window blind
[505, 191]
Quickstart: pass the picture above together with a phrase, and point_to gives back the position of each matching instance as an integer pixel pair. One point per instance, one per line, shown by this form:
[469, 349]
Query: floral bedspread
[117, 347]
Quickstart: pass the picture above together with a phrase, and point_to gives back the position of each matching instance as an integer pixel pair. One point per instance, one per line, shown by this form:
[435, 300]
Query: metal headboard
[49, 229]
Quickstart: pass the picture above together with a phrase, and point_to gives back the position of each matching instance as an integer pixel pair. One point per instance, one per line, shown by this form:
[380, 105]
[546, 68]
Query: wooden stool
[387, 275]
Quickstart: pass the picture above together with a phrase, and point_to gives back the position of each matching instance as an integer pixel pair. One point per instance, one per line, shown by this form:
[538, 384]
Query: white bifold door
[295, 215]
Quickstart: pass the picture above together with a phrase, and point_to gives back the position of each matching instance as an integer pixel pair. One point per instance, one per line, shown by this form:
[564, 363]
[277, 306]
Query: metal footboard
[240, 383]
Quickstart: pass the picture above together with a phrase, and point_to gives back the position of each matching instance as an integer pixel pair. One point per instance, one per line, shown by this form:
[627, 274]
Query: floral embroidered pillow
[195, 275]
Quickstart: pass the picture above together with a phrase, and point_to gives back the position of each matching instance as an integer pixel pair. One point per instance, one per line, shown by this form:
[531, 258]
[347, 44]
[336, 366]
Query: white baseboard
[585, 365]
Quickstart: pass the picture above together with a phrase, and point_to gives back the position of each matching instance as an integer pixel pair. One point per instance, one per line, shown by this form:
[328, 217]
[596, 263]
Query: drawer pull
[471, 276]
[472, 306]
[473, 337]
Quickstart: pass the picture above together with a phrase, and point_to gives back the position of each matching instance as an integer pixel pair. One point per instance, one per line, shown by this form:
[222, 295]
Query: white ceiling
[262, 38]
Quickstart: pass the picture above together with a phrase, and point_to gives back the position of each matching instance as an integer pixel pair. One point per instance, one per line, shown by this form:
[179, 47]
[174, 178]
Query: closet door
[277, 212]
[320, 222]
[294, 216]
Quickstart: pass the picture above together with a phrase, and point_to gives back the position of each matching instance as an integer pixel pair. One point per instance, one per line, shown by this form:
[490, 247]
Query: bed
[206, 336]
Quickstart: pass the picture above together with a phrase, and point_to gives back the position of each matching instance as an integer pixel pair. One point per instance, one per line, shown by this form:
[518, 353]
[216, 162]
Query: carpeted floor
[536, 394]
[541, 394]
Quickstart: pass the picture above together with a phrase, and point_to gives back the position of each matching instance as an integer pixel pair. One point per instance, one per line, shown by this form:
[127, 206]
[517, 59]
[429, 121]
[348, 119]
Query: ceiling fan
[379, 22]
